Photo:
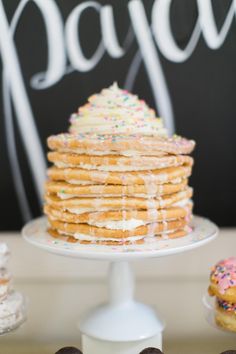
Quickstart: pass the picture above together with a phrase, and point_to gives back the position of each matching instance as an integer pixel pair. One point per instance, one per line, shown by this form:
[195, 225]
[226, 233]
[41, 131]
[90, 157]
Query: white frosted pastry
[11, 311]
[4, 254]
[5, 283]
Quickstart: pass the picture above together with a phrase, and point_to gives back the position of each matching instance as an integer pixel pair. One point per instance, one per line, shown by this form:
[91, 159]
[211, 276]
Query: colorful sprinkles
[227, 306]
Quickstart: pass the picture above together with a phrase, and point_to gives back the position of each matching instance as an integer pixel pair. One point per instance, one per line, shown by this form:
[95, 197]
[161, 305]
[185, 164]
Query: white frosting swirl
[116, 111]
[4, 254]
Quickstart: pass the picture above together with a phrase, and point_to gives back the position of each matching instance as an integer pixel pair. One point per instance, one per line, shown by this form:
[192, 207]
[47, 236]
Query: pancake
[66, 190]
[81, 176]
[118, 203]
[117, 163]
[118, 242]
[118, 143]
[149, 230]
[128, 153]
[119, 215]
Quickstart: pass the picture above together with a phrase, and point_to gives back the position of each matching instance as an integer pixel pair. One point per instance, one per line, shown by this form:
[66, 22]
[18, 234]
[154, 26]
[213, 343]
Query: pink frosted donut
[223, 286]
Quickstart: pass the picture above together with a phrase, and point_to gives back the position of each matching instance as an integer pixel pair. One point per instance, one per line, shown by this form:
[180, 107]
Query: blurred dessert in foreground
[69, 350]
[5, 283]
[73, 350]
[5, 276]
[117, 178]
[223, 286]
[151, 350]
[12, 310]
[4, 255]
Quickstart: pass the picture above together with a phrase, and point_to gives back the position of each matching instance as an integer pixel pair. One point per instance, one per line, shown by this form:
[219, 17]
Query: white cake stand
[122, 325]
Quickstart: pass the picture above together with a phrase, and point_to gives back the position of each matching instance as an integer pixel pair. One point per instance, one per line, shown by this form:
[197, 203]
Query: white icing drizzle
[130, 224]
[127, 153]
[83, 237]
[84, 210]
[114, 168]
[78, 181]
[66, 195]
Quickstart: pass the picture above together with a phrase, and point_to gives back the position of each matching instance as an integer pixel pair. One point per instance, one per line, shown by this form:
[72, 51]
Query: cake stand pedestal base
[122, 326]
[92, 345]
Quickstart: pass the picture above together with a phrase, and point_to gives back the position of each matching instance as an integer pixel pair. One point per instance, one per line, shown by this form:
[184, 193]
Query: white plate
[35, 232]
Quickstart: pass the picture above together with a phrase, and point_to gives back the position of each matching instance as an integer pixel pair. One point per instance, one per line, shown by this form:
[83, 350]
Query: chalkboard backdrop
[180, 56]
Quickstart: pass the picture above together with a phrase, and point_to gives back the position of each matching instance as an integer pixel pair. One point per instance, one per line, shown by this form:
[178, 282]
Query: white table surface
[61, 290]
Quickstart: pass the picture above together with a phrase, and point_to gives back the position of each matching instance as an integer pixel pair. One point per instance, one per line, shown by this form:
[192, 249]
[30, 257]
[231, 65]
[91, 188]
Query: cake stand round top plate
[35, 232]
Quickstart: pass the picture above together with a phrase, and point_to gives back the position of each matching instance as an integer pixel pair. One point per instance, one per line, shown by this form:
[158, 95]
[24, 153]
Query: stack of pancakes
[114, 184]
[11, 302]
